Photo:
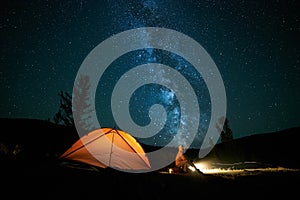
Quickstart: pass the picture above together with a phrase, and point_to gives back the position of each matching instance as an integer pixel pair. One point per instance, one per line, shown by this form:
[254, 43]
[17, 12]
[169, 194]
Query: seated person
[181, 161]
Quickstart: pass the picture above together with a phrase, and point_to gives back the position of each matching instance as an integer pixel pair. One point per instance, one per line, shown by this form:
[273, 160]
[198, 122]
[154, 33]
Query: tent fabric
[108, 147]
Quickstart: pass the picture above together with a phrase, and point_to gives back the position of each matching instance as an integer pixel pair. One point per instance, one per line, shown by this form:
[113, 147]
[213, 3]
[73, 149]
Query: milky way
[151, 94]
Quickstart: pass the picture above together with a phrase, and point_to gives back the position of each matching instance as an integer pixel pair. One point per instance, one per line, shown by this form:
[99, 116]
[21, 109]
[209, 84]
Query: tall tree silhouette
[82, 109]
[64, 114]
[225, 131]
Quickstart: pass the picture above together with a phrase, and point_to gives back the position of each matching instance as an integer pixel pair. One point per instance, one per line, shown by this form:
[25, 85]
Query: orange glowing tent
[108, 147]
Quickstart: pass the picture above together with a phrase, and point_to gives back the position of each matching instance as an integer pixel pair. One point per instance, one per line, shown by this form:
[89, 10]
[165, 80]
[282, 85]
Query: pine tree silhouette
[225, 131]
[82, 109]
[64, 114]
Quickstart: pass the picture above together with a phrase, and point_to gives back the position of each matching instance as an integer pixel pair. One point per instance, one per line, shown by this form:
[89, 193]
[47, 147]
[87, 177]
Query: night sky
[254, 44]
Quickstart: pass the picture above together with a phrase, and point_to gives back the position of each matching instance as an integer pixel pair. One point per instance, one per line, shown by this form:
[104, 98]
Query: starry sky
[254, 44]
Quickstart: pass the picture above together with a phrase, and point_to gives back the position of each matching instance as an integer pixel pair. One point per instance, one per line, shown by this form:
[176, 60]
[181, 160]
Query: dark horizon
[276, 149]
[191, 147]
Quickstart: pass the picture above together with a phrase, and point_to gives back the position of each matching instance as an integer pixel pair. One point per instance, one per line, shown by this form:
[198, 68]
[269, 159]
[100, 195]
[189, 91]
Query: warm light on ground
[192, 168]
[233, 169]
[207, 168]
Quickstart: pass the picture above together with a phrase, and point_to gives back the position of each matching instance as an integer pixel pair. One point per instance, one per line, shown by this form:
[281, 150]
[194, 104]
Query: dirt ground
[61, 182]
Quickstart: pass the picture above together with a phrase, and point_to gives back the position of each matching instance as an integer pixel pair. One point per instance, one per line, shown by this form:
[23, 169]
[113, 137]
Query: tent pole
[129, 144]
[83, 145]
[111, 147]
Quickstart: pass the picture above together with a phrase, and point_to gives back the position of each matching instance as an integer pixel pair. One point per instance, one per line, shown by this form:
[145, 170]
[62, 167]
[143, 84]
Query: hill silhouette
[32, 140]
[274, 149]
